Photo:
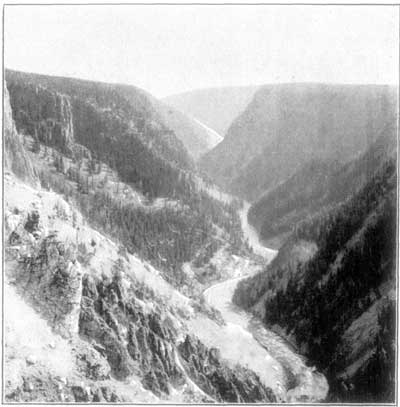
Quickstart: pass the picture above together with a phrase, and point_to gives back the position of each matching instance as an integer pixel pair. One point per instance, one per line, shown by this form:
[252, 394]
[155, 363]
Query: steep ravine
[267, 354]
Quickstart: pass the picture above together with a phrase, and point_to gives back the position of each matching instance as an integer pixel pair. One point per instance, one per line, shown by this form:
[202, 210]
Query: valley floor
[257, 347]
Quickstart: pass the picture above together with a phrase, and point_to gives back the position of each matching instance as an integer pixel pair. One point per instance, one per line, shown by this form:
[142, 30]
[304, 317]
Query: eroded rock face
[132, 341]
[44, 114]
[207, 369]
[15, 157]
[90, 361]
[51, 280]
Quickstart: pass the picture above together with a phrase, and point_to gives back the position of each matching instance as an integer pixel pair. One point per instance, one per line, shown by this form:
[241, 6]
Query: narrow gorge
[200, 204]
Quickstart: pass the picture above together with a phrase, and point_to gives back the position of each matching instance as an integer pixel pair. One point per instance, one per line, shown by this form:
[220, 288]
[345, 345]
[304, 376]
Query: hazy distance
[221, 45]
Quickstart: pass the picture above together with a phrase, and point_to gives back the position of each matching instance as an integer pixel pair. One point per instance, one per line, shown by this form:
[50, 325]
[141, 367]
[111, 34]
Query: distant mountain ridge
[287, 125]
[215, 107]
[196, 137]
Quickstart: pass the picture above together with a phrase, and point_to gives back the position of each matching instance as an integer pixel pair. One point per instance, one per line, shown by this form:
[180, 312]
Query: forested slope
[318, 183]
[117, 124]
[336, 300]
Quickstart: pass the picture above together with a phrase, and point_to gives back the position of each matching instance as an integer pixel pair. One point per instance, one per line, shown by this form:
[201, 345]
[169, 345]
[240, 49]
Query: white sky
[171, 49]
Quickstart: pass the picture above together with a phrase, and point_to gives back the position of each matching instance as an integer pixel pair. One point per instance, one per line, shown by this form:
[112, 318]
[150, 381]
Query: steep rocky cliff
[285, 126]
[131, 339]
[51, 278]
[42, 113]
[16, 159]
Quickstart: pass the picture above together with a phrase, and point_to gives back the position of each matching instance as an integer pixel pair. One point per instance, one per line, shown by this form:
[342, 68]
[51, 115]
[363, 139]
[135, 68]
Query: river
[258, 348]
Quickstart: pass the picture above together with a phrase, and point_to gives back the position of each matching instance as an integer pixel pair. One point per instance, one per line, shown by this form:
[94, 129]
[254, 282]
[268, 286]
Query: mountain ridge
[321, 121]
[216, 107]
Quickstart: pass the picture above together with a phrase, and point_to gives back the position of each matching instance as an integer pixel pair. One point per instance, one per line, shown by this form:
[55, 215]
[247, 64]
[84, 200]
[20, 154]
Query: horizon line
[205, 88]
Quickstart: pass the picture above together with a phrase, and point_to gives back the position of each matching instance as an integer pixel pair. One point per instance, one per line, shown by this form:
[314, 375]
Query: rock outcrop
[43, 114]
[132, 341]
[206, 368]
[16, 159]
[51, 279]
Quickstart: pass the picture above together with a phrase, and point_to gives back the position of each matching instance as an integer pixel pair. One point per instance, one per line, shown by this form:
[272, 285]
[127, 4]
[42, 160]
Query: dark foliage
[355, 257]
[167, 237]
